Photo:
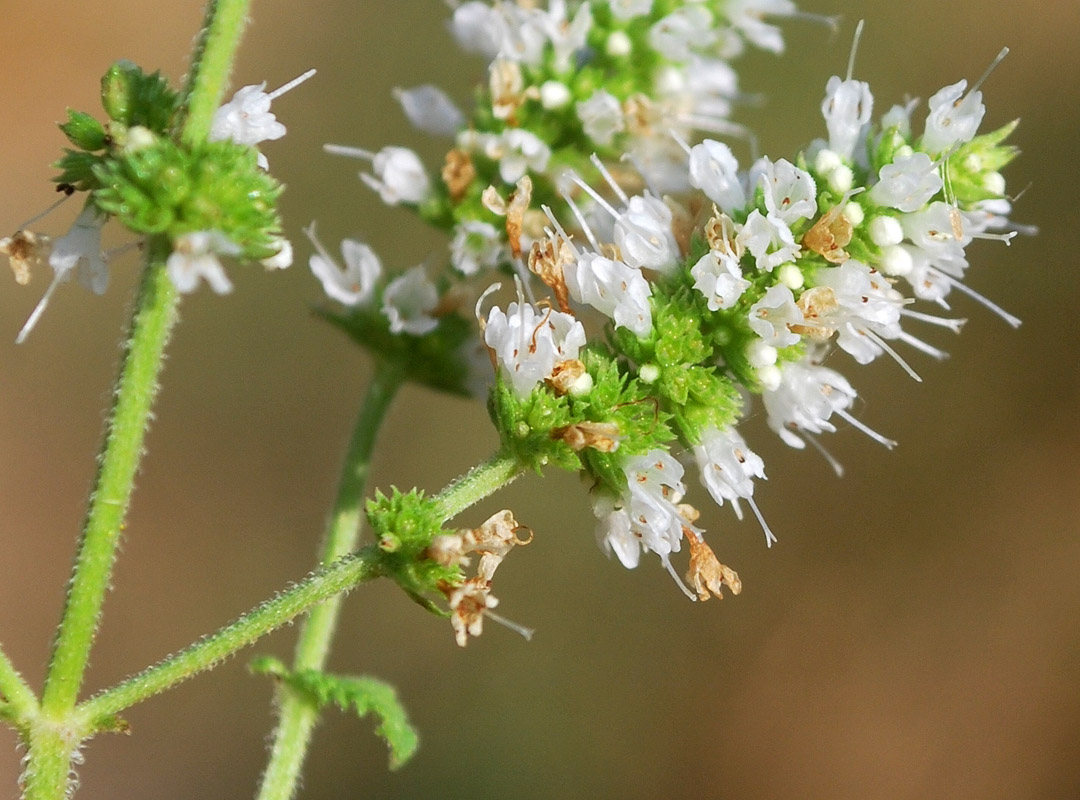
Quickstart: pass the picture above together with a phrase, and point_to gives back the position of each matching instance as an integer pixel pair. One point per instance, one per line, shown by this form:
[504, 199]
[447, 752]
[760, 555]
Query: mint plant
[616, 286]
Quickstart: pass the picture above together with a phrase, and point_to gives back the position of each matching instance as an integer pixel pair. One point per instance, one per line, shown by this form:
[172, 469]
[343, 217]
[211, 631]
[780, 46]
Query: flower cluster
[714, 283]
[210, 199]
[741, 288]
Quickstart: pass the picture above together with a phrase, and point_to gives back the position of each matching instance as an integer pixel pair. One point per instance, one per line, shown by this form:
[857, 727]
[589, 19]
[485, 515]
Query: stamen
[832, 23]
[558, 227]
[993, 65]
[596, 162]
[44, 213]
[525, 633]
[877, 437]
[953, 325]
[581, 222]
[521, 274]
[716, 125]
[1001, 312]
[477, 309]
[309, 232]
[679, 140]
[854, 49]
[919, 344]
[350, 152]
[997, 237]
[39, 309]
[290, 85]
[595, 196]
[895, 356]
[769, 537]
[837, 467]
[678, 581]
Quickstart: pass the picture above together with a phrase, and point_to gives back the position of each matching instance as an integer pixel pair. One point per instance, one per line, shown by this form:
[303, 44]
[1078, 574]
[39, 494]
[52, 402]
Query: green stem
[343, 574]
[21, 702]
[297, 714]
[155, 314]
[476, 484]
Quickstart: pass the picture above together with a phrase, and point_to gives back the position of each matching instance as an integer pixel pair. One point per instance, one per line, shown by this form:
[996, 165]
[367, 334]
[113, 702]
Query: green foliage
[360, 695]
[404, 523]
[162, 188]
[436, 359]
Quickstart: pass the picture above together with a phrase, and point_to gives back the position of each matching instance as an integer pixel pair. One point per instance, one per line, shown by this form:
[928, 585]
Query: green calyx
[162, 188]
[137, 171]
[404, 525]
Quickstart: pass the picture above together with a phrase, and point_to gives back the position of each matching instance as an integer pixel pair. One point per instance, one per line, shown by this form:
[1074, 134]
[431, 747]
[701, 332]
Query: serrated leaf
[360, 695]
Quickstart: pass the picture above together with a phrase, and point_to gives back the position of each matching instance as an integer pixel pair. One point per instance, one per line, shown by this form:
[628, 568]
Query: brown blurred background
[914, 634]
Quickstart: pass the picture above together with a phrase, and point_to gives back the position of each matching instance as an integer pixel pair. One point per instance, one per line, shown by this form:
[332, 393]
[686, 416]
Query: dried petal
[458, 173]
[706, 574]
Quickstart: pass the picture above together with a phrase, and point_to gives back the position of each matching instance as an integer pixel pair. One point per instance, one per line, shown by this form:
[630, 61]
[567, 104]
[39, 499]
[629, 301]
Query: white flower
[768, 239]
[907, 183]
[728, 467]
[952, 120]
[714, 170]
[807, 397]
[747, 16]
[430, 110]
[615, 535]
[517, 150]
[847, 108]
[353, 285]
[655, 485]
[195, 257]
[601, 117]
[247, 119]
[866, 309]
[78, 249]
[616, 290]
[790, 193]
[644, 236]
[683, 31]
[528, 343]
[476, 245]
[407, 301]
[718, 277]
[933, 232]
[81, 247]
[772, 314]
[399, 176]
[628, 9]
[567, 36]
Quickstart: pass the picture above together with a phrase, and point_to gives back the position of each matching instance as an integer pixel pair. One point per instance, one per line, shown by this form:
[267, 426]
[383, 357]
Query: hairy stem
[20, 700]
[155, 314]
[152, 321]
[343, 574]
[476, 484]
[297, 714]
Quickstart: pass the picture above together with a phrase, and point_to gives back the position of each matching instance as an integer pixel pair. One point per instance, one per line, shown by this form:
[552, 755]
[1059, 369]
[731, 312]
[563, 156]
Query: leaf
[360, 695]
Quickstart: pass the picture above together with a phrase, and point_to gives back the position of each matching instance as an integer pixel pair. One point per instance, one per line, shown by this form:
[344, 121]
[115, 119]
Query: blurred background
[915, 633]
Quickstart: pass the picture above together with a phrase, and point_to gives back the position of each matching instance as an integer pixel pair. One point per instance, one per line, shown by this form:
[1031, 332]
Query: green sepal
[975, 161]
[83, 131]
[891, 140]
[78, 168]
[162, 188]
[131, 97]
[404, 523]
[436, 359]
[525, 426]
[360, 695]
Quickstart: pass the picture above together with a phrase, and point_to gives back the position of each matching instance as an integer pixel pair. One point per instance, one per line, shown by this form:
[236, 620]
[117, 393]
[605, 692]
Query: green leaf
[361, 695]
